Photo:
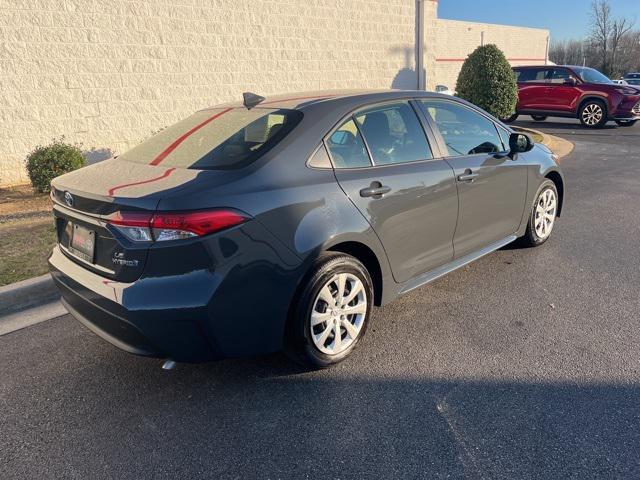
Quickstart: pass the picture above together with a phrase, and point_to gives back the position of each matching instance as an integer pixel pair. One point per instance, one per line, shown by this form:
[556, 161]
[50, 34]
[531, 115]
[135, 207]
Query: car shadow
[561, 125]
[265, 418]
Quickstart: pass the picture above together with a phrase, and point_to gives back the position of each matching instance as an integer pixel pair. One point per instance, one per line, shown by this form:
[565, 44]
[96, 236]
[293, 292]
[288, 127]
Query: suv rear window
[531, 75]
[216, 139]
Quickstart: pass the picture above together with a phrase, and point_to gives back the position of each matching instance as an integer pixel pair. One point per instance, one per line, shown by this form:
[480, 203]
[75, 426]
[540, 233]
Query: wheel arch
[588, 97]
[369, 259]
[556, 178]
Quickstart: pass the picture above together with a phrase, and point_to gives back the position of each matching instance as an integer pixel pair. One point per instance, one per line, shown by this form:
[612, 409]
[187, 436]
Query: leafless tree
[568, 52]
[621, 29]
[607, 35]
[628, 56]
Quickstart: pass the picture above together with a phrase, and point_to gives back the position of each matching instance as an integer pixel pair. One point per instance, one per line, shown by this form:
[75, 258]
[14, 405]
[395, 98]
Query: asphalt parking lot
[525, 364]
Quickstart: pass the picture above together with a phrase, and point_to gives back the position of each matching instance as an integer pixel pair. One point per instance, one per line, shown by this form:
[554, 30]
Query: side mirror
[570, 81]
[520, 143]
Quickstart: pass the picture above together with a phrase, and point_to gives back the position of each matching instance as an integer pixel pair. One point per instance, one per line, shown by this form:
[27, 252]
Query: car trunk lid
[84, 201]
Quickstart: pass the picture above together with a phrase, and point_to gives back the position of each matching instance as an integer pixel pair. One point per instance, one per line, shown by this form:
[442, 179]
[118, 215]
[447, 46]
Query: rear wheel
[539, 118]
[593, 114]
[626, 123]
[331, 312]
[510, 119]
[542, 216]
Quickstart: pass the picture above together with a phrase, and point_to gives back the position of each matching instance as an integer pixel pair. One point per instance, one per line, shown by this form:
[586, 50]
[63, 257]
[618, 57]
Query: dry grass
[16, 201]
[26, 245]
[27, 234]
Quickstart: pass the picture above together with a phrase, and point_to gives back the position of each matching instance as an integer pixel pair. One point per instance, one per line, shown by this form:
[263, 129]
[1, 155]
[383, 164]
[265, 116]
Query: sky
[564, 18]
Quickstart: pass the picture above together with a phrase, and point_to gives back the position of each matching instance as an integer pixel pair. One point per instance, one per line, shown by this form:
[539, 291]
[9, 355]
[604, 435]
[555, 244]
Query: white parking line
[26, 318]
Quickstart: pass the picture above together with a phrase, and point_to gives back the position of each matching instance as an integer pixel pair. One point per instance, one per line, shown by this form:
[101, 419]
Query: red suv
[575, 92]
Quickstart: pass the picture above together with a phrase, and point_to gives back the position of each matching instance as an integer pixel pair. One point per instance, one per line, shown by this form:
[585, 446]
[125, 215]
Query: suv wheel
[543, 215]
[331, 313]
[510, 119]
[626, 123]
[593, 114]
[539, 118]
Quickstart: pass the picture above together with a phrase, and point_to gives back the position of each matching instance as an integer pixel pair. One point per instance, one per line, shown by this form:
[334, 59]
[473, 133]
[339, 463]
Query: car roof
[303, 100]
[549, 66]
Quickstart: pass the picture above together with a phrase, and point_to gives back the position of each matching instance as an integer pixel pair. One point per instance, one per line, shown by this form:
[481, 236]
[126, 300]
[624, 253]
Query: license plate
[83, 243]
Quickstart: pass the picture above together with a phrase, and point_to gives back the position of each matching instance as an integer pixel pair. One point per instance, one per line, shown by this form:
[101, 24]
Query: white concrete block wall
[107, 73]
[455, 40]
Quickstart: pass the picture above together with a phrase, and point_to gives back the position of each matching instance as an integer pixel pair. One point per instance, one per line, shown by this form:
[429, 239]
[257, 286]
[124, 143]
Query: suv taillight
[163, 226]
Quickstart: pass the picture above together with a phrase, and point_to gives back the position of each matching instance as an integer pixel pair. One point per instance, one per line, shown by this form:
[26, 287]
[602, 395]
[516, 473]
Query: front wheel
[626, 123]
[542, 217]
[331, 312]
[593, 114]
[539, 118]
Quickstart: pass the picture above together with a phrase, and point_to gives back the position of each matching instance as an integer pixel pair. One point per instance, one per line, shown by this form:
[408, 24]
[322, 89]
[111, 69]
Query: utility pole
[419, 49]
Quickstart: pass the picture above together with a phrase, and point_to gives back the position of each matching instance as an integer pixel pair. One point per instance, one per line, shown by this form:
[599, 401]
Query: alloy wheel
[338, 313]
[545, 213]
[592, 114]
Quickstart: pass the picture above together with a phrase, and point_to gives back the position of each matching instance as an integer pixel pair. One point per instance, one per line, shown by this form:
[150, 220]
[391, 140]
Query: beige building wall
[455, 40]
[107, 73]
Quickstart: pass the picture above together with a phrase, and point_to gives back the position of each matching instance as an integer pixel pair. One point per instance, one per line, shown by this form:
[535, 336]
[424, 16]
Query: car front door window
[559, 76]
[464, 131]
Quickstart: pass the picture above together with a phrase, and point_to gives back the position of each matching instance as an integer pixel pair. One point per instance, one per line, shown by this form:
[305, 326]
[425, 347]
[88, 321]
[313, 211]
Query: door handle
[467, 176]
[376, 190]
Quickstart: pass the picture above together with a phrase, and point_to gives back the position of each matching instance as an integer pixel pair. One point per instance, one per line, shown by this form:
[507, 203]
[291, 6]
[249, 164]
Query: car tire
[539, 118]
[510, 119]
[310, 338]
[593, 114]
[542, 215]
[626, 123]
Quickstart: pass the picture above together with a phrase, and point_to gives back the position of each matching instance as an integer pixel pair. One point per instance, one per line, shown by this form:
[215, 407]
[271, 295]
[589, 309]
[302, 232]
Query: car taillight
[163, 226]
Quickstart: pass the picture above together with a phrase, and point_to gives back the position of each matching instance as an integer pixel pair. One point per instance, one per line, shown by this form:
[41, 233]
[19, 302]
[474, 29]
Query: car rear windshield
[216, 139]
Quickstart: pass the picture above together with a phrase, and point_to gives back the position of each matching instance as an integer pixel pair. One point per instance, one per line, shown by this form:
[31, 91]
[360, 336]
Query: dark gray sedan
[278, 223]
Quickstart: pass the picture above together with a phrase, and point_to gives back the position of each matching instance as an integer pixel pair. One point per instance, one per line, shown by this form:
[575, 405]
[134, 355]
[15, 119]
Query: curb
[27, 294]
[557, 145]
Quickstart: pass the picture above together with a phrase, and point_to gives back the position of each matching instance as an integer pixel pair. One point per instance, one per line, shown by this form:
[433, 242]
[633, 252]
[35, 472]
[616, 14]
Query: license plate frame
[82, 243]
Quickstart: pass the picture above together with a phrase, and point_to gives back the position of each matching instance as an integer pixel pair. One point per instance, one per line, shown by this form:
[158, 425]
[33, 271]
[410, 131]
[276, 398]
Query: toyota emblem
[68, 199]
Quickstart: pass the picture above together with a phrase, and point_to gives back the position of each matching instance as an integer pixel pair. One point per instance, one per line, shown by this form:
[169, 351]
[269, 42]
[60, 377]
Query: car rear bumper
[103, 307]
[189, 312]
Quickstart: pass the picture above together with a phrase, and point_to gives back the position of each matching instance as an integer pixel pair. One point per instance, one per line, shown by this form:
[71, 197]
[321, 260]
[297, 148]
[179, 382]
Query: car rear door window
[464, 131]
[393, 134]
[347, 148]
[532, 75]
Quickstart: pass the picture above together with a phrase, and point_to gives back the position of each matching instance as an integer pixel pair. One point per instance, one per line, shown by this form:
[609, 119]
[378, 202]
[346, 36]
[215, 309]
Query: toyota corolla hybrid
[279, 223]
